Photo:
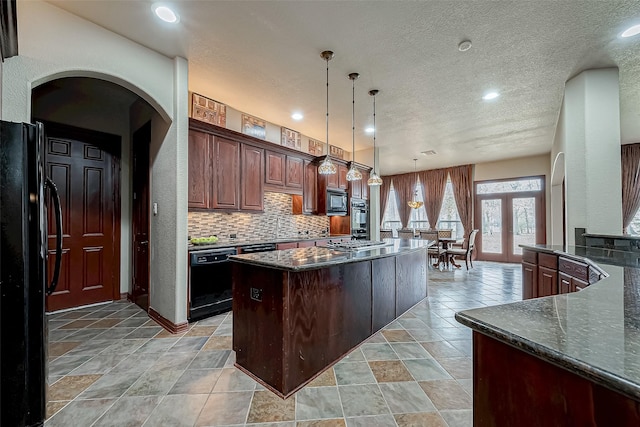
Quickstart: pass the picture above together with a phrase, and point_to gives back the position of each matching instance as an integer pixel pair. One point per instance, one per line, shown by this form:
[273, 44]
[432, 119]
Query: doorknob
[144, 242]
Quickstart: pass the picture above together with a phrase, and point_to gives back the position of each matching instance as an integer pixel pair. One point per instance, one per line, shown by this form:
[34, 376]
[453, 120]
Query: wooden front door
[84, 165]
[140, 220]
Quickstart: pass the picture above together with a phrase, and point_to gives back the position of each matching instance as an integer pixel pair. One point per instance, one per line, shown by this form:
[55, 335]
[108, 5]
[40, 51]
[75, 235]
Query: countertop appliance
[359, 219]
[23, 273]
[337, 204]
[209, 282]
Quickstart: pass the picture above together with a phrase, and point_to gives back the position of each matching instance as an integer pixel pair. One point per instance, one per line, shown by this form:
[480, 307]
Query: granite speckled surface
[317, 257]
[594, 333]
[223, 244]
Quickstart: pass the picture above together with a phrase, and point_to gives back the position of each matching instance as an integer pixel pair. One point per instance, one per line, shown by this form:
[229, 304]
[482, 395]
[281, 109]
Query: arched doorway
[88, 152]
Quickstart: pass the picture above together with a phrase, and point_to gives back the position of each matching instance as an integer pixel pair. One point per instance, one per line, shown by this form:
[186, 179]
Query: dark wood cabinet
[547, 281]
[356, 189]
[364, 192]
[294, 176]
[310, 191]
[226, 174]
[564, 283]
[529, 280]
[383, 272]
[199, 190]
[252, 183]
[343, 184]
[274, 168]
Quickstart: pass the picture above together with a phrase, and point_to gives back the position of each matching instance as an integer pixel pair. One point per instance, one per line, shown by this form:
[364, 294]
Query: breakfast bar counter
[298, 311]
[568, 359]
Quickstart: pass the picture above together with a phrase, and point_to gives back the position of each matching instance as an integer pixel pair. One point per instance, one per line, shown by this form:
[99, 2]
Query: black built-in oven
[359, 219]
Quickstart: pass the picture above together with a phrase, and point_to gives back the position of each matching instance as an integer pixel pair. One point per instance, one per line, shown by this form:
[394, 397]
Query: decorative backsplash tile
[276, 221]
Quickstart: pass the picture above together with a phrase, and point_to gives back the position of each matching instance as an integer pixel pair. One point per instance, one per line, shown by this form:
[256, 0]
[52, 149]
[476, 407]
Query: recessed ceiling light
[428, 153]
[165, 13]
[464, 45]
[370, 129]
[297, 116]
[631, 31]
[490, 95]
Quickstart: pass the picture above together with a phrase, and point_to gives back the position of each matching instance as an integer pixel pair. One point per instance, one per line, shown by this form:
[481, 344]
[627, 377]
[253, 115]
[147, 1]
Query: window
[531, 184]
[634, 227]
[449, 218]
[391, 217]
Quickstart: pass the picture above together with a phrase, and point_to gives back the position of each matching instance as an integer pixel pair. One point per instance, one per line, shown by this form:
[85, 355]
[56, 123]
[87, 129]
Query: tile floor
[113, 366]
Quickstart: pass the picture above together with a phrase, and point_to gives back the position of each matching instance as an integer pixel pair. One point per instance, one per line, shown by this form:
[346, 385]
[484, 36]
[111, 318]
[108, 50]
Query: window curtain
[462, 189]
[630, 183]
[434, 183]
[385, 188]
[404, 186]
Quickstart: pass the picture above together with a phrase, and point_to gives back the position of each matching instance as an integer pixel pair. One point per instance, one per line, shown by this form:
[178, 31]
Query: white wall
[590, 135]
[54, 44]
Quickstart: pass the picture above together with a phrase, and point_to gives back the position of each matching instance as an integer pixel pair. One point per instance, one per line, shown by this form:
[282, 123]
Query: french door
[509, 213]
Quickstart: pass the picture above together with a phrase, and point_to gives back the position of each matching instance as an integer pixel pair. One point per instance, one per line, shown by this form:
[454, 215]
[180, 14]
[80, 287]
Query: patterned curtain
[385, 188]
[462, 190]
[404, 186]
[630, 183]
[434, 183]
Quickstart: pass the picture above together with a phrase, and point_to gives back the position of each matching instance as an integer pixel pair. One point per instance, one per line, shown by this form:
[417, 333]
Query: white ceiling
[263, 58]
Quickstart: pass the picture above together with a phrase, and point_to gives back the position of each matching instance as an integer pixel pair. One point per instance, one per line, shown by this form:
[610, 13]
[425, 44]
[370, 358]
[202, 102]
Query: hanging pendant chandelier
[374, 179]
[415, 204]
[327, 167]
[354, 174]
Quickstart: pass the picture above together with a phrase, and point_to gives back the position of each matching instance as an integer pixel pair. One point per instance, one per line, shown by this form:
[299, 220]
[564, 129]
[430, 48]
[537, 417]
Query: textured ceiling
[263, 58]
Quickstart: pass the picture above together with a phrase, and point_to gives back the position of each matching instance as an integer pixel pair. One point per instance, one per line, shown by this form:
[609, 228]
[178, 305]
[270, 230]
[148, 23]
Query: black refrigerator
[23, 273]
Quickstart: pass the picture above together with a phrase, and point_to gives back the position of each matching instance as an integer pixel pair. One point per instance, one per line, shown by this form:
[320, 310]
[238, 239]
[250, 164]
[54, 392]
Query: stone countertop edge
[593, 365]
[600, 376]
[239, 243]
[335, 257]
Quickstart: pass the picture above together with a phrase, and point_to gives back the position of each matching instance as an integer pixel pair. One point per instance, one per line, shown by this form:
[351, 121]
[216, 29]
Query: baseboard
[167, 324]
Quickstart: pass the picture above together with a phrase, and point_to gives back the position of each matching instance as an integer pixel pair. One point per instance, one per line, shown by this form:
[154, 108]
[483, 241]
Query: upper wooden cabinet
[226, 174]
[360, 189]
[307, 203]
[199, 191]
[343, 184]
[364, 193]
[283, 172]
[251, 178]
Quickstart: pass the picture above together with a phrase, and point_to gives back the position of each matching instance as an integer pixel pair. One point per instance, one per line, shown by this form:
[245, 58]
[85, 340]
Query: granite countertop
[300, 259]
[594, 333]
[238, 242]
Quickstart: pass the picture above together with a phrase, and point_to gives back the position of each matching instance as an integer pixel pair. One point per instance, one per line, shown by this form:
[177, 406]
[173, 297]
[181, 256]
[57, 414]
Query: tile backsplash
[276, 221]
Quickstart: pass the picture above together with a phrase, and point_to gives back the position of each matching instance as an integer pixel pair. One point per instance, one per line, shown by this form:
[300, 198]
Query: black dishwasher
[210, 282]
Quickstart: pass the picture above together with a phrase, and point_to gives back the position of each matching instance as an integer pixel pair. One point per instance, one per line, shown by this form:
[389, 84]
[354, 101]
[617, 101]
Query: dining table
[446, 243]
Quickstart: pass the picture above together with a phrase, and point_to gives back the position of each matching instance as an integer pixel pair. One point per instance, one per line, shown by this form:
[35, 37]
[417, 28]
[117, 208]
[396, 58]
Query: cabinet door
[342, 177]
[306, 243]
[364, 192]
[547, 281]
[577, 284]
[226, 174]
[252, 189]
[356, 189]
[310, 191]
[274, 168]
[564, 283]
[332, 180]
[199, 169]
[294, 176]
[529, 280]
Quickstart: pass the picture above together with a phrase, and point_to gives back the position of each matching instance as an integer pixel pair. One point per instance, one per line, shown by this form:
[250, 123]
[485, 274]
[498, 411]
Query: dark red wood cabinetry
[308, 202]
[343, 184]
[360, 189]
[274, 168]
[545, 274]
[294, 173]
[252, 182]
[226, 174]
[364, 192]
[199, 191]
[283, 173]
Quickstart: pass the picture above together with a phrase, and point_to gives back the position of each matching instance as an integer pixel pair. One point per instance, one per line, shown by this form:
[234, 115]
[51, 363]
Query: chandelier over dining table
[414, 203]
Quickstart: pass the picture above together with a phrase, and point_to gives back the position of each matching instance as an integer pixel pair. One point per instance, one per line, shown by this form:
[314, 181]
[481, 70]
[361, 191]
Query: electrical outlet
[233, 236]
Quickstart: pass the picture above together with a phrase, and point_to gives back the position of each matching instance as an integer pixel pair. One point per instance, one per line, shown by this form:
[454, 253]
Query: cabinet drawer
[548, 260]
[574, 269]
[529, 256]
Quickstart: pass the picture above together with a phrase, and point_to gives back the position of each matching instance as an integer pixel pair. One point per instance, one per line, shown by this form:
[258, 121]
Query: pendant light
[414, 204]
[374, 179]
[353, 174]
[327, 167]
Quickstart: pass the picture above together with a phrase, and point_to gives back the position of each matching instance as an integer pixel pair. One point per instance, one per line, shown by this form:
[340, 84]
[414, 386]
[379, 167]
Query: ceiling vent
[428, 153]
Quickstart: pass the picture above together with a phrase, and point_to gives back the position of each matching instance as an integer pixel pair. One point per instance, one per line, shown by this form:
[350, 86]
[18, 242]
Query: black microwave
[337, 203]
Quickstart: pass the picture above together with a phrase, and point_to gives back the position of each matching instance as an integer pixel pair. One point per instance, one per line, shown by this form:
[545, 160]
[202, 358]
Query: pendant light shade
[414, 204]
[374, 178]
[327, 167]
[354, 174]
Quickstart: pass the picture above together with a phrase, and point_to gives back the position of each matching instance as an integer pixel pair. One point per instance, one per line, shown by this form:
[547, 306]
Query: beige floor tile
[69, 387]
[421, 419]
[446, 394]
[397, 335]
[59, 348]
[390, 371]
[217, 342]
[266, 407]
[327, 378]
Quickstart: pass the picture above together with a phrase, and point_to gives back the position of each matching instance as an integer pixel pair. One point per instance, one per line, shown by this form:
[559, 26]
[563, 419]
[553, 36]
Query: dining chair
[406, 234]
[434, 251]
[466, 250]
[386, 234]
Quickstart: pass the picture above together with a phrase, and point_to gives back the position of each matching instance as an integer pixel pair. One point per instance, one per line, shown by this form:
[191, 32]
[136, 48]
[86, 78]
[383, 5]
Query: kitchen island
[567, 359]
[298, 311]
